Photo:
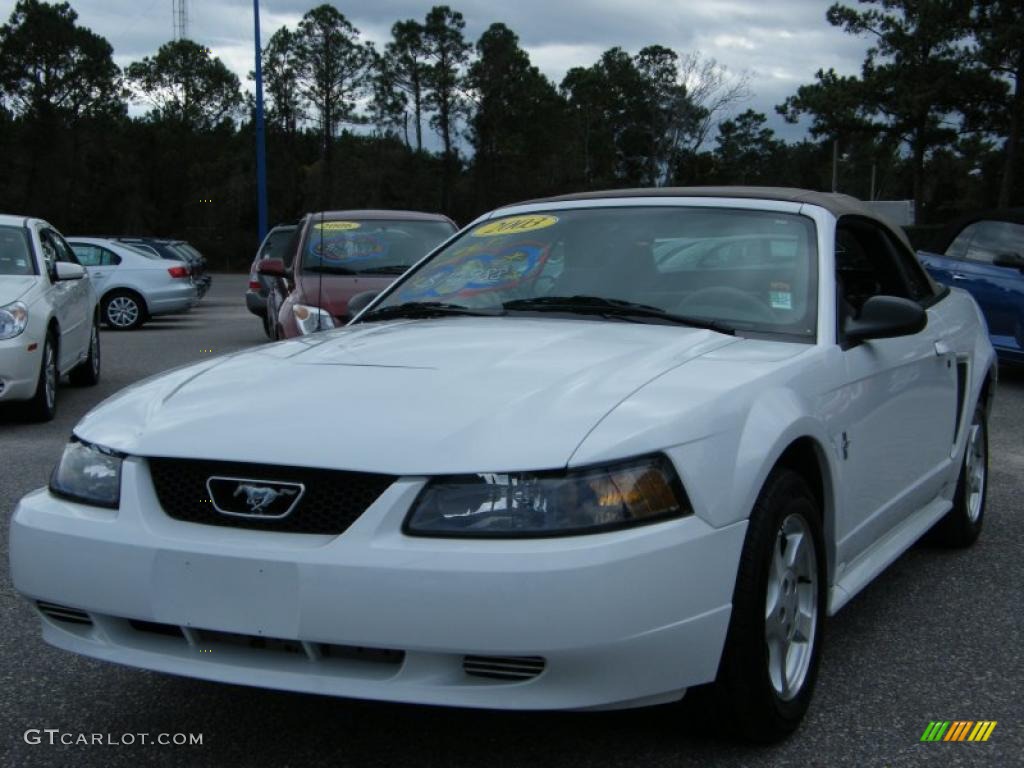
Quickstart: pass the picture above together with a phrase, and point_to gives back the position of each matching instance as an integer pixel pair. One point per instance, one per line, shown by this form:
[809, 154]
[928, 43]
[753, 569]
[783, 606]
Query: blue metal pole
[261, 143]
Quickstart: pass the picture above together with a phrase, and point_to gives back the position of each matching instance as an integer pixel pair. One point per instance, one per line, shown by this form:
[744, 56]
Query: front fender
[724, 440]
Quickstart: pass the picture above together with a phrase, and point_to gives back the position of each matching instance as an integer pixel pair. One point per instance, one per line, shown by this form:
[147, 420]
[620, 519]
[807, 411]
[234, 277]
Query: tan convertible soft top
[838, 204]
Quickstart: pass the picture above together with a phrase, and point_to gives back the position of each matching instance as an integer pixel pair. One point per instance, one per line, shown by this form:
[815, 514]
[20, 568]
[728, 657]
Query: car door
[99, 262]
[999, 291]
[74, 302]
[900, 393]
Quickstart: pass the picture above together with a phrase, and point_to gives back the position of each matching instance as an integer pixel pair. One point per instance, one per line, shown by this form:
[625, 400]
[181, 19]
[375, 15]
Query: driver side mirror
[361, 301]
[884, 317]
[65, 270]
[1009, 260]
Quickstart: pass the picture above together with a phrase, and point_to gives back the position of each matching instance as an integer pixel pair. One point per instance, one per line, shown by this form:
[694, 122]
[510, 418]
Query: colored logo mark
[958, 730]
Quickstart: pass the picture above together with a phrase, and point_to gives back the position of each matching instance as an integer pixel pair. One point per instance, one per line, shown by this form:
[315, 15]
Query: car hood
[425, 397]
[13, 287]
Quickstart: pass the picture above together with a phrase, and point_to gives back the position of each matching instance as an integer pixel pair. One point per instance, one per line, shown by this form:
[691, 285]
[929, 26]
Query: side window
[64, 252]
[920, 287]
[88, 255]
[50, 251]
[982, 241]
[109, 258]
[866, 265]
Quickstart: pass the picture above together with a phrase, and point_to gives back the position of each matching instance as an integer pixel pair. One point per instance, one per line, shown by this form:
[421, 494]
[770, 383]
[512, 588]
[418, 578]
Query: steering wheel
[725, 296]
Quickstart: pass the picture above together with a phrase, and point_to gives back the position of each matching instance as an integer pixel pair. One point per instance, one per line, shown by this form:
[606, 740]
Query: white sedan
[134, 285]
[49, 322]
[546, 469]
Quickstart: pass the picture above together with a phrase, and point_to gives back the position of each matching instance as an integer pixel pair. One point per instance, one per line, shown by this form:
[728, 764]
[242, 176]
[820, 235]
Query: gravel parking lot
[936, 637]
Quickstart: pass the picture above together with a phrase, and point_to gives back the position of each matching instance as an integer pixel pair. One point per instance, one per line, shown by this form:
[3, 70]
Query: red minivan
[338, 254]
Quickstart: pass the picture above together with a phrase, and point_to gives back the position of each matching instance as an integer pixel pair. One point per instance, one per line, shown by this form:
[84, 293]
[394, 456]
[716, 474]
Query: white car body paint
[622, 618]
[71, 304]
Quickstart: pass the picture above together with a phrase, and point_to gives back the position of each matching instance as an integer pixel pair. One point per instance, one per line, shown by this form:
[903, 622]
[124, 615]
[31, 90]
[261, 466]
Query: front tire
[43, 405]
[123, 310]
[87, 374]
[961, 526]
[773, 646]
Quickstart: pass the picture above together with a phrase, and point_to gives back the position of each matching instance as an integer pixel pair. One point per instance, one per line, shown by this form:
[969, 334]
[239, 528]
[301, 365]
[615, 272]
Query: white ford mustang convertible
[590, 453]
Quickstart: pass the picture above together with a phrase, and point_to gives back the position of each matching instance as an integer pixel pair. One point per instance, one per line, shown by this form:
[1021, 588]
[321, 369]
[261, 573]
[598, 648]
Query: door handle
[942, 348]
[958, 276]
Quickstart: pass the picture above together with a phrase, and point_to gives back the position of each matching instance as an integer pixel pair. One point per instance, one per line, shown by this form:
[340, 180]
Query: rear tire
[123, 310]
[773, 647]
[43, 405]
[961, 526]
[87, 374]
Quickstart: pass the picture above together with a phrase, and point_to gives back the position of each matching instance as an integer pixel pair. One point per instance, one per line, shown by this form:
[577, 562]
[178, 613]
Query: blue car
[984, 254]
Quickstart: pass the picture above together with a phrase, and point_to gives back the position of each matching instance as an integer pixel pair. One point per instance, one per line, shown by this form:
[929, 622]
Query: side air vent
[63, 613]
[511, 668]
[961, 390]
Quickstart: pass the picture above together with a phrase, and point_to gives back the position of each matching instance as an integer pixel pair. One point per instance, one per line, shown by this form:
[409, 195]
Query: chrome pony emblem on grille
[259, 497]
[262, 499]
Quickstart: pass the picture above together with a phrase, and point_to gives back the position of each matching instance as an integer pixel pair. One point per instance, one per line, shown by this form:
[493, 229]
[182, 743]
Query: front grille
[63, 613]
[207, 639]
[511, 668]
[332, 500]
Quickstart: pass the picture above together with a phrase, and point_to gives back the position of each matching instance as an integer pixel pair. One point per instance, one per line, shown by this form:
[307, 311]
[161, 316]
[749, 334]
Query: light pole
[261, 143]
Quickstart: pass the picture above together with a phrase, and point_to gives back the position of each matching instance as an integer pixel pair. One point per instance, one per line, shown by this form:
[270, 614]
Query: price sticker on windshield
[514, 225]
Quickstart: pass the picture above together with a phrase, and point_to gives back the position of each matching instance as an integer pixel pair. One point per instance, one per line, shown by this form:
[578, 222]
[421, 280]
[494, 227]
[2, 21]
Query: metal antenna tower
[179, 10]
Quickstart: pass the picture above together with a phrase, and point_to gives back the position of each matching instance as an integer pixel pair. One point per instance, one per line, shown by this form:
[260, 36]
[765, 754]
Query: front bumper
[619, 619]
[19, 368]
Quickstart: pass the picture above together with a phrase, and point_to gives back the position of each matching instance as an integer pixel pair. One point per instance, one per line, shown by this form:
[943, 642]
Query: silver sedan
[134, 285]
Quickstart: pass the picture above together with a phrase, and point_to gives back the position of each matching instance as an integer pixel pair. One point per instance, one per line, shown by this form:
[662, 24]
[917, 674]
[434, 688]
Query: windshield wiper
[415, 309]
[394, 269]
[331, 270]
[611, 308]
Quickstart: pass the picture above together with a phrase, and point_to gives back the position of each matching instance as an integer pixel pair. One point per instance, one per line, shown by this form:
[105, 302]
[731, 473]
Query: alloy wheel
[50, 372]
[94, 350]
[122, 311]
[791, 607]
[975, 470]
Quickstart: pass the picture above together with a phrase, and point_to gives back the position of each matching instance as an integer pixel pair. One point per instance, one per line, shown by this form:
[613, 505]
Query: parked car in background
[274, 246]
[339, 254]
[984, 254]
[592, 483]
[49, 323]
[176, 250]
[133, 285]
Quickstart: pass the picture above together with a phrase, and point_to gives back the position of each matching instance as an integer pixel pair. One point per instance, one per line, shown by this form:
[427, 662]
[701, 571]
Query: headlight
[533, 504]
[13, 319]
[311, 319]
[88, 474]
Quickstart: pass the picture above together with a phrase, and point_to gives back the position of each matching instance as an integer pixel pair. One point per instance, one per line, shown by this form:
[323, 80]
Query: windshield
[370, 246]
[180, 252]
[190, 250]
[276, 244]
[140, 250]
[724, 268]
[15, 257]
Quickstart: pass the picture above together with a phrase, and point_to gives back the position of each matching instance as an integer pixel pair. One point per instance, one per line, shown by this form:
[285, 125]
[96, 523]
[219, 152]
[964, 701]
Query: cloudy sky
[781, 43]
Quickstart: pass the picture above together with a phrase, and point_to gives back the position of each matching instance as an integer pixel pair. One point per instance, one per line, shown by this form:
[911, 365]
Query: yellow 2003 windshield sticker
[513, 225]
[338, 226]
